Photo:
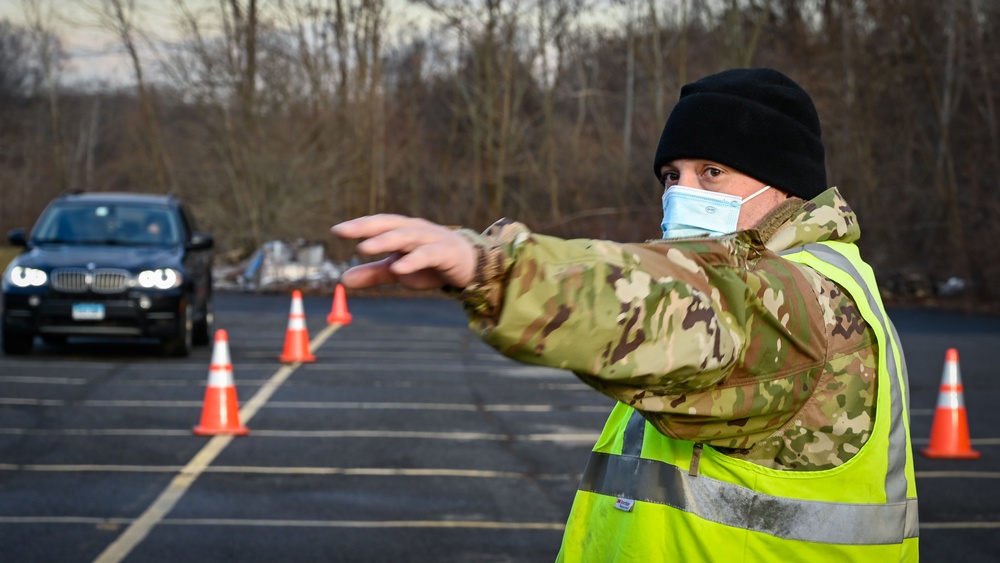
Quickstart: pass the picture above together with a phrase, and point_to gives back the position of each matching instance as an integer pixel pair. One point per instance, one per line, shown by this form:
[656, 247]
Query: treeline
[277, 119]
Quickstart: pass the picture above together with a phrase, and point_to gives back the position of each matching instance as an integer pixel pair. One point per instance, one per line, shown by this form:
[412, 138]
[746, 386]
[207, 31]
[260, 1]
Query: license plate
[88, 312]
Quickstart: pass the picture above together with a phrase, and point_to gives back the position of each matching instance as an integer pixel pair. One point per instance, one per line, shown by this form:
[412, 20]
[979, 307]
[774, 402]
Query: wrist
[484, 290]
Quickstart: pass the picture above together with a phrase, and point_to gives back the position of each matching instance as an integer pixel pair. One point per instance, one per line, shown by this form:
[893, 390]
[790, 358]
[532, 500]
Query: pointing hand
[422, 254]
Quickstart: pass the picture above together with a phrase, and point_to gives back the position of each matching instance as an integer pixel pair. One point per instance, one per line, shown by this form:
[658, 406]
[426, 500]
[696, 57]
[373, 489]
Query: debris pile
[277, 266]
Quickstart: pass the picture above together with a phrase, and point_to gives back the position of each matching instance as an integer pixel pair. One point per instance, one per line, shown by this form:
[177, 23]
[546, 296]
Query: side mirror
[16, 237]
[200, 241]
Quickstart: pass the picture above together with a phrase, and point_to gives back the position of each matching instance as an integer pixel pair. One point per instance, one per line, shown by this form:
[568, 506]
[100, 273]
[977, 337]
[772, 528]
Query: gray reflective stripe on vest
[658, 482]
[635, 432]
[895, 478]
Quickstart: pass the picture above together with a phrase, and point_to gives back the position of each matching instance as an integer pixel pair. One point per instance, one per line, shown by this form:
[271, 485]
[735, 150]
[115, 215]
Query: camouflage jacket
[716, 340]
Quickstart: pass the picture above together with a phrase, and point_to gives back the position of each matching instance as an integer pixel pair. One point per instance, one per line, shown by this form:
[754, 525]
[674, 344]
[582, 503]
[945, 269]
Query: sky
[95, 58]
[93, 55]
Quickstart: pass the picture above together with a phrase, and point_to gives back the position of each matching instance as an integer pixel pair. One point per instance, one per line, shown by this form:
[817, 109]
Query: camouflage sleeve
[660, 326]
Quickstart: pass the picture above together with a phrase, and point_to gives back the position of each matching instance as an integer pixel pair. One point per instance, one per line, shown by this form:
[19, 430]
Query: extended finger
[405, 239]
[368, 275]
[452, 260]
[373, 225]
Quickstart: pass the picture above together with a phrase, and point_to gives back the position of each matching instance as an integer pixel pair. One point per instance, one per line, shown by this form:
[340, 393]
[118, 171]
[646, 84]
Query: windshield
[104, 223]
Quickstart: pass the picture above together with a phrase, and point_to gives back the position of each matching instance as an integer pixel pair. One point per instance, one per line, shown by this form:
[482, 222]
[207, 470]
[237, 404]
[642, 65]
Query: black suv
[110, 265]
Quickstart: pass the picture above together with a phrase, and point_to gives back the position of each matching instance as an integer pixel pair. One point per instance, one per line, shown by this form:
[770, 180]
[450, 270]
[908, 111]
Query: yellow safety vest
[647, 497]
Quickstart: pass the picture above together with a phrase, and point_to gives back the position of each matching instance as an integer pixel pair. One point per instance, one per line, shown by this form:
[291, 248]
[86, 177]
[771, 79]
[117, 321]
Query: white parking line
[501, 367]
[436, 524]
[431, 524]
[957, 474]
[418, 435]
[405, 345]
[403, 354]
[958, 525]
[89, 468]
[92, 520]
[140, 528]
[94, 432]
[454, 524]
[349, 405]
[42, 380]
[395, 472]
[137, 530]
[341, 367]
[387, 434]
[68, 364]
[376, 471]
[975, 441]
[256, 470]
[200, 382]
[437, 406]
[19, 401]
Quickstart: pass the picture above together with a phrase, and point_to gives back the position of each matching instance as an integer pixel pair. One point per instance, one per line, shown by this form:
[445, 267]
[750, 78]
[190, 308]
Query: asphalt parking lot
[407, 440]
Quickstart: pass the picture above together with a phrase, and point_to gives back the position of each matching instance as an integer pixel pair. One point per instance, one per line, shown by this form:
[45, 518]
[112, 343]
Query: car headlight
[27, 277]
[165, 278]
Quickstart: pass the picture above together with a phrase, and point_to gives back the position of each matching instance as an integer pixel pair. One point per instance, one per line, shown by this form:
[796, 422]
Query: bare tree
[553, 22]
[39, 17]
[25, 127]
[630, 41]
[120, 17]
[743, 45]
[280, 117]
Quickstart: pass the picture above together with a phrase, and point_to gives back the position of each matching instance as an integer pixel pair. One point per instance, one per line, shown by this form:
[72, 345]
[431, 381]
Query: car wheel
[203, 326]
[15, 344]
[179, 343]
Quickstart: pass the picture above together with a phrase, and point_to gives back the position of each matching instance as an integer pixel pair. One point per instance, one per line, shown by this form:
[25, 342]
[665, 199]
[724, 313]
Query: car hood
[126, 257]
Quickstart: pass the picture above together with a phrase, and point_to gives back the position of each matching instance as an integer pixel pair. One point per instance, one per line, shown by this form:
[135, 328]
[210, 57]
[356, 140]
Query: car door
[197, 261]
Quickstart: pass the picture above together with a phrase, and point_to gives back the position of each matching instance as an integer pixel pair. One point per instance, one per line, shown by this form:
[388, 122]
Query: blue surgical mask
[690, 212]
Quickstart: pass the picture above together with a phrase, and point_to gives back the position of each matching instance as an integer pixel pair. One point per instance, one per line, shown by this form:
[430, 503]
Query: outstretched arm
[422, 254]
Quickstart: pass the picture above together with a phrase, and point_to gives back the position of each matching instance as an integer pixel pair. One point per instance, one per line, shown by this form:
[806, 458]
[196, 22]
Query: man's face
[719, 178]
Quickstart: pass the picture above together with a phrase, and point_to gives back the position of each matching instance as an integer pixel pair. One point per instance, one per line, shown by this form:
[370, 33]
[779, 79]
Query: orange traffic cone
[220, 413]
[297, 336]
[950, 431]
[338, 314]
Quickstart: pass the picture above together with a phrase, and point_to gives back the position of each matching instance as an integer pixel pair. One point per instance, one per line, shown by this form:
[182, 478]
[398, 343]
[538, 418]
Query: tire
[203, 326]
[179, 343]
[17, 344]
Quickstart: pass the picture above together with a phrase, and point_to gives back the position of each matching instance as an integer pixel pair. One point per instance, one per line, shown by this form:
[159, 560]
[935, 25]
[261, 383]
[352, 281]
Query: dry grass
[7, 253]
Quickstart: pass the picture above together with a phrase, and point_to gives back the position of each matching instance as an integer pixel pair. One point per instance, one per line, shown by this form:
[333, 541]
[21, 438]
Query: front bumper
[131, 314]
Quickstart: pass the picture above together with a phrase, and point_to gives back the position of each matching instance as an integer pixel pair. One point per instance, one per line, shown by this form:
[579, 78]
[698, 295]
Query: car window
[100, 223]
[187, 220]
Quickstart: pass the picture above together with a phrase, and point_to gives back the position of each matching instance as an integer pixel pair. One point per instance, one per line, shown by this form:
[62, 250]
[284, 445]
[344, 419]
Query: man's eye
[713, 172]
[671, 177]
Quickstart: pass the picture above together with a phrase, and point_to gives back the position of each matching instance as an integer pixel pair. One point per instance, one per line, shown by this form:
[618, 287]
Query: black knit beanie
[758, 121]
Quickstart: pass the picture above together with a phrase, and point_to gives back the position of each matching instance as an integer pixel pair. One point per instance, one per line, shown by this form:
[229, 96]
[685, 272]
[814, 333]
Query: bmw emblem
[91, 265]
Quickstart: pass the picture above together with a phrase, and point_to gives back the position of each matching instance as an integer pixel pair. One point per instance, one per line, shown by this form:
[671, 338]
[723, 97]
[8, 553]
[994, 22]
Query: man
[153, 230]
[762, 410]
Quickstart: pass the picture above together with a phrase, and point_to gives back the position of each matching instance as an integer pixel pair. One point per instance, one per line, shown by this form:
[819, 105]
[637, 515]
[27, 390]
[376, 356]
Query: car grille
[78, 280]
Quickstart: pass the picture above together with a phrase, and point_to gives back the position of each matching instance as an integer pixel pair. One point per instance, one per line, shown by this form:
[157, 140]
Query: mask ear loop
[755, 194]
